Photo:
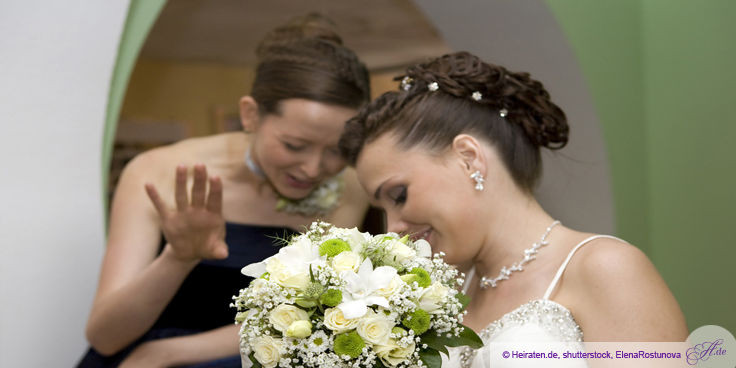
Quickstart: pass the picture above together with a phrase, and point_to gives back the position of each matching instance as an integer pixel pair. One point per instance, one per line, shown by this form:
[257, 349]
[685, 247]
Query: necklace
[529, 255]
[321, 201]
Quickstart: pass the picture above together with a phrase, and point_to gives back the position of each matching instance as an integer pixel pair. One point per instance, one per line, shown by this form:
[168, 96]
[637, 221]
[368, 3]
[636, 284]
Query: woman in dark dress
[166, 303]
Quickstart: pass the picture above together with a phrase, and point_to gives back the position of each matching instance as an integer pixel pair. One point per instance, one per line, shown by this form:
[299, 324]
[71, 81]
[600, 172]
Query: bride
[453, 157]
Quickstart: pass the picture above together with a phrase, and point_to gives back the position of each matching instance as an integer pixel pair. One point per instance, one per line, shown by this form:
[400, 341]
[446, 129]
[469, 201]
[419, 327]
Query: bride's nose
[395, 224]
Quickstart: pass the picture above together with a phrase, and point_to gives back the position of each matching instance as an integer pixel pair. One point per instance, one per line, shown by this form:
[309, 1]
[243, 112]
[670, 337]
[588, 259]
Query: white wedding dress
[538, 321]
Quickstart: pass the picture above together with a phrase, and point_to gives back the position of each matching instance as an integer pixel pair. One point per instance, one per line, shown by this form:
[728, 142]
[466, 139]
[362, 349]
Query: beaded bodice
[540, 320]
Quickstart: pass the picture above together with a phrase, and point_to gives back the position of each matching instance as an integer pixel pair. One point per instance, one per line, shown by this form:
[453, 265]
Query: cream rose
[375, 328]
[432, 297]
[393, 354]
[346, 261]
[400, 251]
[392, 288]
[284, 315]
[299, 329]
[336, 321]
[267, 351]
[297, 278]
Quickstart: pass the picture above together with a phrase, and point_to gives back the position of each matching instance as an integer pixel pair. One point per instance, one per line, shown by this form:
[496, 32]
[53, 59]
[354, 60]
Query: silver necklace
[529, 255]
[253, 166]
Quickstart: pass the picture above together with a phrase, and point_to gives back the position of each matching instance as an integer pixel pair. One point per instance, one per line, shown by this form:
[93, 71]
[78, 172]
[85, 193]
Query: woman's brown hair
[305, 58]
[510, 110]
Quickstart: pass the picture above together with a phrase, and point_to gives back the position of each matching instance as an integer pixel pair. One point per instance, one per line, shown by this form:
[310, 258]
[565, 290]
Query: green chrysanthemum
[333, 247]
[331, 298]
[417, 321]
[349, 344]
[423, 278]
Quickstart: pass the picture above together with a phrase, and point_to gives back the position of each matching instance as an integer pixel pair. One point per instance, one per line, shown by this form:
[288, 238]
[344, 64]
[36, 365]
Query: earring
[479, 180]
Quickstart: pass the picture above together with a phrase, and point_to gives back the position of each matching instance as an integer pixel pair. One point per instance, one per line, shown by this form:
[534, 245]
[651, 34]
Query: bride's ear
[249, 116]
[469, 153]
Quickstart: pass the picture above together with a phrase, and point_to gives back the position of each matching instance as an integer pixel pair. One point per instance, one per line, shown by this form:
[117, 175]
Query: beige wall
[197, 94]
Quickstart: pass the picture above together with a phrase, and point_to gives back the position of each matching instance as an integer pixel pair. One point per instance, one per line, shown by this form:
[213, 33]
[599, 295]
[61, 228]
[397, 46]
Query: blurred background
[87, 85]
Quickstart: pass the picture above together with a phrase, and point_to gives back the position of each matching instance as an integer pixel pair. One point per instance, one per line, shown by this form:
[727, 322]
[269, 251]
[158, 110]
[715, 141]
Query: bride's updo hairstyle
[305, 58]
[458, 93]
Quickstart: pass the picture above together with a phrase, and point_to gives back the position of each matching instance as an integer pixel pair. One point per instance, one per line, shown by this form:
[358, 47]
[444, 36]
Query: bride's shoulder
[614, 288]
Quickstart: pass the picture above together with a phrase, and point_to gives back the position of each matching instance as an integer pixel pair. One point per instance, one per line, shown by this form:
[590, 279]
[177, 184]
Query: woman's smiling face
[424, 195]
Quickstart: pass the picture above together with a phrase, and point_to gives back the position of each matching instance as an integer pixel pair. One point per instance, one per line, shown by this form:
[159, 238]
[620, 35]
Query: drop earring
[479, 180]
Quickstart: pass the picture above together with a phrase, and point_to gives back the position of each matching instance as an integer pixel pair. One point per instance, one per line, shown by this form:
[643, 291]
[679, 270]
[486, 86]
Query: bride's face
[424, 195]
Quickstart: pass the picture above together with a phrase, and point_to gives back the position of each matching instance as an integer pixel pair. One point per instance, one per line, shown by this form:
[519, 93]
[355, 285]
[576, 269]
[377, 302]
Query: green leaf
[435, 342]
[431, 358]
[464, 300]
[469, 338]
[256, 363]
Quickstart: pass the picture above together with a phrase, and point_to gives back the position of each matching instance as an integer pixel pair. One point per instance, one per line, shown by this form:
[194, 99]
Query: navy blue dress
[203, 300]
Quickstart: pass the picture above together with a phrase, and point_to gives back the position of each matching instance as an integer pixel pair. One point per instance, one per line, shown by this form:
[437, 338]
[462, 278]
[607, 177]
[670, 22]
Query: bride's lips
[299, 184]
[423, 234]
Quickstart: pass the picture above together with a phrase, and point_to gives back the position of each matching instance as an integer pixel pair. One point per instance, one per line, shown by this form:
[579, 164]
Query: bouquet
[335, 297]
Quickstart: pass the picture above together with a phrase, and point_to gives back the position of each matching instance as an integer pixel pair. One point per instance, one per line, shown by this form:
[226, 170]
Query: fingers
[220, 251]
[156, 199]
[214, 200]
[199, 188]
[182, 200]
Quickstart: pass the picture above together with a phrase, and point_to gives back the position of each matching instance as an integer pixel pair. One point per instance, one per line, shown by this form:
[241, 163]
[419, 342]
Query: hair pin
[433, 86]
[406, 83]
[503, 112]
[477, 96]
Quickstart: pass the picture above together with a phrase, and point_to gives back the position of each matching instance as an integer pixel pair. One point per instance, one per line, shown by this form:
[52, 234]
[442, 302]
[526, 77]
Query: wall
[661, 74]
[57, 59]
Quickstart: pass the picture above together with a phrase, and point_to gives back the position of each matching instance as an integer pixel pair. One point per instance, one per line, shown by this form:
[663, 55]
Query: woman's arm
[135, 283]
[206, 346]
[620, 296]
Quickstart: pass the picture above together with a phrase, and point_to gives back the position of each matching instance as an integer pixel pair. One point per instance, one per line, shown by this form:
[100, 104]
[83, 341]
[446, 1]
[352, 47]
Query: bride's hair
[305, 58]
[458, 93]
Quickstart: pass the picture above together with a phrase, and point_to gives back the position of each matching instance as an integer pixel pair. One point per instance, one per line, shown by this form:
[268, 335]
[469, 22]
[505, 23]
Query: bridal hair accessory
[321, 201]
[433, 86]
[476, 96]
[406, 83]
[479, 180]
[503, 112]
[529, 255]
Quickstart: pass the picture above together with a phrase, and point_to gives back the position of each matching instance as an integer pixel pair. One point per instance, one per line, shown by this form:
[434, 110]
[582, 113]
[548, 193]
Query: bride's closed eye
[397, 194]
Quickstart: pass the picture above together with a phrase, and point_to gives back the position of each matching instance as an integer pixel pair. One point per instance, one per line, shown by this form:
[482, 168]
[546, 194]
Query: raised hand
[195, 229]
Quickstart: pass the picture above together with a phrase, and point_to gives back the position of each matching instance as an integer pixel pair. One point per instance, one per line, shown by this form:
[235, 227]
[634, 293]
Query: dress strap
[554, 282]
[468, 280]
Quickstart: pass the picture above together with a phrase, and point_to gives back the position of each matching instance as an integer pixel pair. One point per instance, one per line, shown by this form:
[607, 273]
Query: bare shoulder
[618, 294]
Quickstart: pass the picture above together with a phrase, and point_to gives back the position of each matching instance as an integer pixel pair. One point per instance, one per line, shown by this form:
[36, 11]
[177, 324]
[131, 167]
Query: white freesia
[400, 251]
[393, 354]
[335, 320]
[375, 328]
[432, 297]
[360, 288]
[285, 314]
[290, 267]
[392, 288]
[267, 351]
[346, 261]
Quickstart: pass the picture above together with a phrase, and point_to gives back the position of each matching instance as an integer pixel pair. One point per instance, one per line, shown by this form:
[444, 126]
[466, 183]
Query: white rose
[392, 288]
[299, 329]
[393, 354]
[291, 277]
[400, 251]
[375, 328]
[346, 261]
[336, 321]
[267, 351]
[433, 296]
[423, 248]
[284, 315]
